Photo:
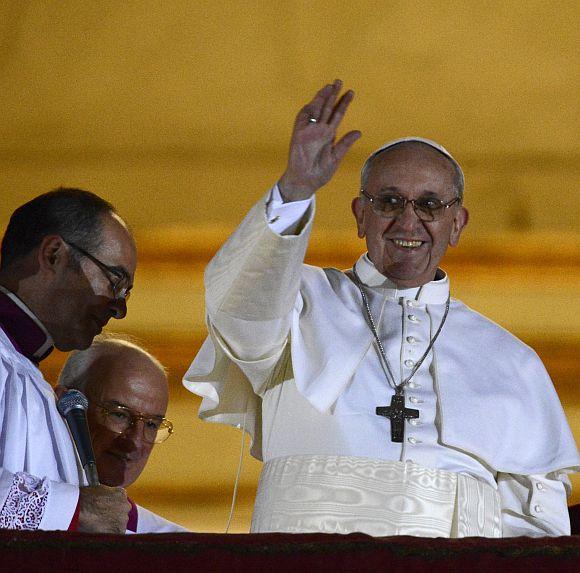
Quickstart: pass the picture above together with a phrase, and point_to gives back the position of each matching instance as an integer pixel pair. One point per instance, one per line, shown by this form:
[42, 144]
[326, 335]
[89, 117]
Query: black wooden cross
[397, 413]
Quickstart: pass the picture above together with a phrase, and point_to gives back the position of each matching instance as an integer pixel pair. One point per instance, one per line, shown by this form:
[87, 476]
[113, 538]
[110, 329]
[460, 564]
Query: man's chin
[75, 340]
[118, 472]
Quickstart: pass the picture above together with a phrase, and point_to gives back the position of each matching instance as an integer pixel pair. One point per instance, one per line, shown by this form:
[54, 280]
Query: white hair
[74, 372]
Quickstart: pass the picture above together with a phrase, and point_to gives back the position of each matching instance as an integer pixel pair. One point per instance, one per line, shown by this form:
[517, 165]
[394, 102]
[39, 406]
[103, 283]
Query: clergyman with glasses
[377, 402]
[128, 393]
[66, 268]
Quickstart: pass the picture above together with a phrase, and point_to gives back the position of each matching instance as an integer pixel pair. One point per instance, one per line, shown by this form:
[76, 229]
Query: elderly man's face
[83, 301]
[406, 249]
[131, 380]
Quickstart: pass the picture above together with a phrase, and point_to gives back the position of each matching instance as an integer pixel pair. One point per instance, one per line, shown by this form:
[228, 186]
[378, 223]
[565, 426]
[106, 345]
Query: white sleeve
[252, 284]
[31, 503]
[38, 467]
[285, 218]
[149, 522]
[534, 505]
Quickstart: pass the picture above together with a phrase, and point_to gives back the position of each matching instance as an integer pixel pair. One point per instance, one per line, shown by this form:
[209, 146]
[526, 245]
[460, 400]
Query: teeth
[409, 244]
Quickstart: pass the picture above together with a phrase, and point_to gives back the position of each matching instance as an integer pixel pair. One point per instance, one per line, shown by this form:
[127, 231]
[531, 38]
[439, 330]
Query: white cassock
[39, 475]
[291, 357]
[142, 520]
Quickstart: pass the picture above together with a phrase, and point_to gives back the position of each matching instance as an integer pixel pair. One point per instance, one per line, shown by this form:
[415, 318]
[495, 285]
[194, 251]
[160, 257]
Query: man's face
[131, 380]
[406, 249]
[82, 298]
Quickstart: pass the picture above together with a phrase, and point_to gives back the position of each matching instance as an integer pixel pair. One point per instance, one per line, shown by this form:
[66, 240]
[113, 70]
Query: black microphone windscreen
[70, 400]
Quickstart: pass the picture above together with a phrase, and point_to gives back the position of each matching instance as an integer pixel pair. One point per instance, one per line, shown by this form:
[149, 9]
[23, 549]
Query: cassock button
[414, 385]
[414, 400]
[412, 440]
[412, 303]
[413, 318]
[414, 422]
[411, 339]
[540, 486]
[538, 508]
[409, 363]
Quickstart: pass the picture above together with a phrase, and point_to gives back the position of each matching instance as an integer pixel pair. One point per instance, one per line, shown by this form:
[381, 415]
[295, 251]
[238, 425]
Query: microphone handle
[77, 423]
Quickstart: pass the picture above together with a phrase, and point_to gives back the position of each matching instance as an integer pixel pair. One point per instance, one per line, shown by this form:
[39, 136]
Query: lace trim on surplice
[26, 502]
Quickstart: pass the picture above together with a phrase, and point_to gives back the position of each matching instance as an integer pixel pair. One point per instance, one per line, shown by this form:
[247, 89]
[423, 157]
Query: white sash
[343, 494]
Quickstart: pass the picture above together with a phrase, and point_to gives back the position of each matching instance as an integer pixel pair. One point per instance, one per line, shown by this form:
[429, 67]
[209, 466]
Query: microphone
[72, 406]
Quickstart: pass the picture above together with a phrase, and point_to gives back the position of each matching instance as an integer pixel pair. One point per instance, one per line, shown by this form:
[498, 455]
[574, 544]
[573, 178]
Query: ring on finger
[312, 120]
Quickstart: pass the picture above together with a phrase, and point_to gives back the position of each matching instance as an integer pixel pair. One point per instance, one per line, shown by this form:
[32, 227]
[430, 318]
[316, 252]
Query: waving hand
[314, 155]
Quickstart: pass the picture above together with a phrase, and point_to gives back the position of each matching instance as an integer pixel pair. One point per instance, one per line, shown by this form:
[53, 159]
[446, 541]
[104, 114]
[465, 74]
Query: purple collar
[133, 517]
[24, 330]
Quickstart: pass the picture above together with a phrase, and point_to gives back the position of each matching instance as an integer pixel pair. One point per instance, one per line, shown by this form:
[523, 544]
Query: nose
[118, 307]
[408, 219]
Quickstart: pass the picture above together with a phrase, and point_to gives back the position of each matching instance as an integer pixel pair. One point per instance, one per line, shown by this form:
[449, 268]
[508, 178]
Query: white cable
[239, 473]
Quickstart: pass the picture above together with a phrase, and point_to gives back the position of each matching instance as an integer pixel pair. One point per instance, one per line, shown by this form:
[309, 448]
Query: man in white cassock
[128, 393]
[66, 268]
[377, 402]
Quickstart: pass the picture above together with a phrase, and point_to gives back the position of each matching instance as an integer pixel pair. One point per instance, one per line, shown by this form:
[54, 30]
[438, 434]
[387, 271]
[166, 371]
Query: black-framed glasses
[119, 419]
[119, 281]
[392, 205]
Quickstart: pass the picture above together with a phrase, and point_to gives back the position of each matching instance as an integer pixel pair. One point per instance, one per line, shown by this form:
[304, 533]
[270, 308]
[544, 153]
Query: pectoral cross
[397, 413]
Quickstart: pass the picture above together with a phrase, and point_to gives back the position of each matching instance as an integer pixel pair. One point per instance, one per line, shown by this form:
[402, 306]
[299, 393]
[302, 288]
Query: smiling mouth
[407, 244]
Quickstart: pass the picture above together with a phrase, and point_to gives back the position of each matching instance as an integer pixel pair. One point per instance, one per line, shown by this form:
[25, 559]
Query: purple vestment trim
[25, 334]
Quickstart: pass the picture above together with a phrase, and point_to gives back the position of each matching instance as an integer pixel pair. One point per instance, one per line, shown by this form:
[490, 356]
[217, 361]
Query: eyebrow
[117, 403]
[395, 189]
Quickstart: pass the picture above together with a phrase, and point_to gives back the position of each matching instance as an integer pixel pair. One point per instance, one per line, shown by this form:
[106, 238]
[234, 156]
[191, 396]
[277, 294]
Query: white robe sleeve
[38, 467]
[534, 505]
[149, 522]
[285, 218]
[251, 286]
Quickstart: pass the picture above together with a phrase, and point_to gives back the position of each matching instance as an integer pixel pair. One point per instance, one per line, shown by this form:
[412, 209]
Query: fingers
[314, 107]
[340, 109]
[345, 143]
[329, 101]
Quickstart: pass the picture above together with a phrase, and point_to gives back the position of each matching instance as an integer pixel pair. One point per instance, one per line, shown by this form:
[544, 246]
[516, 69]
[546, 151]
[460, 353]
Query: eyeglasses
[426, 208]
[120, 284]
[119, 419]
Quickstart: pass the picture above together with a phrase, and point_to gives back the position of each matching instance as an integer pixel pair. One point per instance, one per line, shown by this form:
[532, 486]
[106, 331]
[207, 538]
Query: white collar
[434, 292]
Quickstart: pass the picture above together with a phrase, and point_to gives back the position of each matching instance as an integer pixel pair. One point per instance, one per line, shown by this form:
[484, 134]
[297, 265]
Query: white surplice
[39, 474]
[290, 350]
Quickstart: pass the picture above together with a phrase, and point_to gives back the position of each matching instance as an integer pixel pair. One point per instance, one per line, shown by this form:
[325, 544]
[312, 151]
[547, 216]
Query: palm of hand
[314, 156]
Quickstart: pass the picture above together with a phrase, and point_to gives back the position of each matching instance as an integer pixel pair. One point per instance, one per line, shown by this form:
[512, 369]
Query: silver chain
[399, 388]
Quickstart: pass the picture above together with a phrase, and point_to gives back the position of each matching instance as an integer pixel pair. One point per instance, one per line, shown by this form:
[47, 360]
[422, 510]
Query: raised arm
[253, 281]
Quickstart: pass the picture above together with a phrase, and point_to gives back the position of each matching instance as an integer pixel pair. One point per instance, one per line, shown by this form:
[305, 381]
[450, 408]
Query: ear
[52, 253]
[459, 221]
[358, 211]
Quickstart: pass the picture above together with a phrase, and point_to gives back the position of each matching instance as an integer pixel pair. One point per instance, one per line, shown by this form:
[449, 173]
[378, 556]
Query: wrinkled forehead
[418, 140]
